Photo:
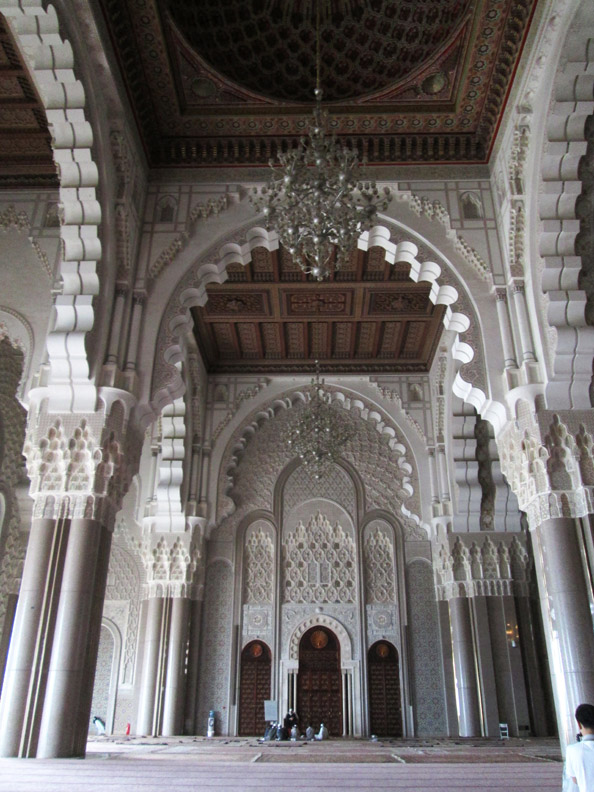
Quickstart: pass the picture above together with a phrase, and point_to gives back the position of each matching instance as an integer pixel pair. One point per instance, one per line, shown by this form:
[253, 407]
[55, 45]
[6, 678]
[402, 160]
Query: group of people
[288, 729]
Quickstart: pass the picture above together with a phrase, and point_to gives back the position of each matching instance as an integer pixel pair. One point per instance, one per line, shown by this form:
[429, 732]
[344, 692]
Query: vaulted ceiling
[230, 82]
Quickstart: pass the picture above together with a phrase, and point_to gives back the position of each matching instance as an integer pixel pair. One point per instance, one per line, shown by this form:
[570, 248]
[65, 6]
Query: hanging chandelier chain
[317, 199]
[320, 432]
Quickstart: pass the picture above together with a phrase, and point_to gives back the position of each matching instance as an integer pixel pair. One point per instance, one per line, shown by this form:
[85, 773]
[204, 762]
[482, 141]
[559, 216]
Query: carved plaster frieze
[170, 562]
[80, 466]
[548, 462]
[256, 455]
[475, 565]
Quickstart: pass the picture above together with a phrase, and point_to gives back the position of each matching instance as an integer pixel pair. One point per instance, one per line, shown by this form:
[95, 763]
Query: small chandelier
[320, 432]
[316, 199]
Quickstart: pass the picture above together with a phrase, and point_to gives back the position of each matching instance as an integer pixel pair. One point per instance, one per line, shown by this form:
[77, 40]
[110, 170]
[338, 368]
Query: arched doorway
[254, 687]
[385, 707]
[319, 688]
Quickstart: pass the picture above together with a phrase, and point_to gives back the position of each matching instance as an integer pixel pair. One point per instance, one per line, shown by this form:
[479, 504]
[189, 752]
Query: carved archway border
[321, 620]
[382, 424]
[191, 291]
[19, 333]
[50, 58]
[565, 201]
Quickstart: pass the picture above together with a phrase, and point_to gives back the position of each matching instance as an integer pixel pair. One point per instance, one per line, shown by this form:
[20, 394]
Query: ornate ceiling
[25, 141]
[269, 317]
[227, 82]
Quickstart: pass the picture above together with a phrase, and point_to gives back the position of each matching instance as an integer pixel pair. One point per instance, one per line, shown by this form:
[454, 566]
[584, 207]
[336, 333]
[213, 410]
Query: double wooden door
[319, 683]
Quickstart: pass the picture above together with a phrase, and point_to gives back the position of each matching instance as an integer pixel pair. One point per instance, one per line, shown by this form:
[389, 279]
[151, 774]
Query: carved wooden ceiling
[25, 141]
[227, 82]
[269, 317]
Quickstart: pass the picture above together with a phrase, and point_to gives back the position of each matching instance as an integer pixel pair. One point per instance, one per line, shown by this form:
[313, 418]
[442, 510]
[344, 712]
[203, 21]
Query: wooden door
[385, 708]
[319, 683]
[254, 688]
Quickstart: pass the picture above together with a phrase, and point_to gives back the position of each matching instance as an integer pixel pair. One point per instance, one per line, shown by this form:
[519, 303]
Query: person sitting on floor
[323, 733]
[309, 733]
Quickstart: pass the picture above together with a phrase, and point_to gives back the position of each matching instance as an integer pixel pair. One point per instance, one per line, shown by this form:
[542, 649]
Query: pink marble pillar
[22, 691]
[66, 675]
[566, 617]
[150, 666]
[173, 704]
[464, 668]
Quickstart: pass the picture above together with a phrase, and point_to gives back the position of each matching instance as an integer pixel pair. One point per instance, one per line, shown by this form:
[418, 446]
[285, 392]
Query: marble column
[94, 636]
[115, 332]
[193, 667]
[534, 680]
[22, 693]
[65, 680]
[173, 704]
[566, 617]
[150, 665]
[464, 668]
[505, 327]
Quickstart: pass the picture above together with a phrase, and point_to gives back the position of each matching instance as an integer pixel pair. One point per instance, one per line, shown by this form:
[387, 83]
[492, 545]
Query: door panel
[319, 682]
[254, 688]
[385, 709]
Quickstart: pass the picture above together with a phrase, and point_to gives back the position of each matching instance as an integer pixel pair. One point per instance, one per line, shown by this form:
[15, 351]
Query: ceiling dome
[365, 46]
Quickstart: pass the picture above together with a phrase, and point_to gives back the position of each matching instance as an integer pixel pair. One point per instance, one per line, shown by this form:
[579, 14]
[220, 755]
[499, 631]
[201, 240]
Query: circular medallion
[256, 650]
[319, 639]
[382, 650]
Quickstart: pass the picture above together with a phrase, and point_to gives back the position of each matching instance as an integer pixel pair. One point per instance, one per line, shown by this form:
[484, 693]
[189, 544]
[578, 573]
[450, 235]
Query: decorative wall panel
[426, 671]
[216, 647]
[380, 584]
[336, 485]
[258, 566]
[319, 563]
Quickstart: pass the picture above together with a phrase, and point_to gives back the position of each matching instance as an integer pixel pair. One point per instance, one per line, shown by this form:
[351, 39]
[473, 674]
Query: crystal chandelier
[316, 199]
[320, 432]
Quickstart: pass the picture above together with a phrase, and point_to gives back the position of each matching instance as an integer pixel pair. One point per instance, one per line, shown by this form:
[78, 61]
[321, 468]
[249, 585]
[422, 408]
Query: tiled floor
[241, 765]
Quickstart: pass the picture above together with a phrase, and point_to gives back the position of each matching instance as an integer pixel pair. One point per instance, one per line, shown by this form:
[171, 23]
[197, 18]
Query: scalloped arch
[50, 58]
[321, 620]
[191, 291]
[348, 402]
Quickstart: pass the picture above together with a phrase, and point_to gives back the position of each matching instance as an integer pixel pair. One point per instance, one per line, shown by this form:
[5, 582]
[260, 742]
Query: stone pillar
[66, 676]
[566, 617]
[509, 355]
[150, 679]
[22, 698]
[173, 705]
[115, 333]
[527, 346]
[193, 667]
[464, 669]
[137, 308]
[94, 636]
[444, 481]
[533, 672]
[485, 666]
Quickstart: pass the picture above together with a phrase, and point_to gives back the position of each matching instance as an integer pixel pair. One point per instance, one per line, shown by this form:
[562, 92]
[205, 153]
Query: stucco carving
[323, 620]
[256, 454]
[482, 565]
[379, 565]
[216, 646]
[258, 567]
[319, 563]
